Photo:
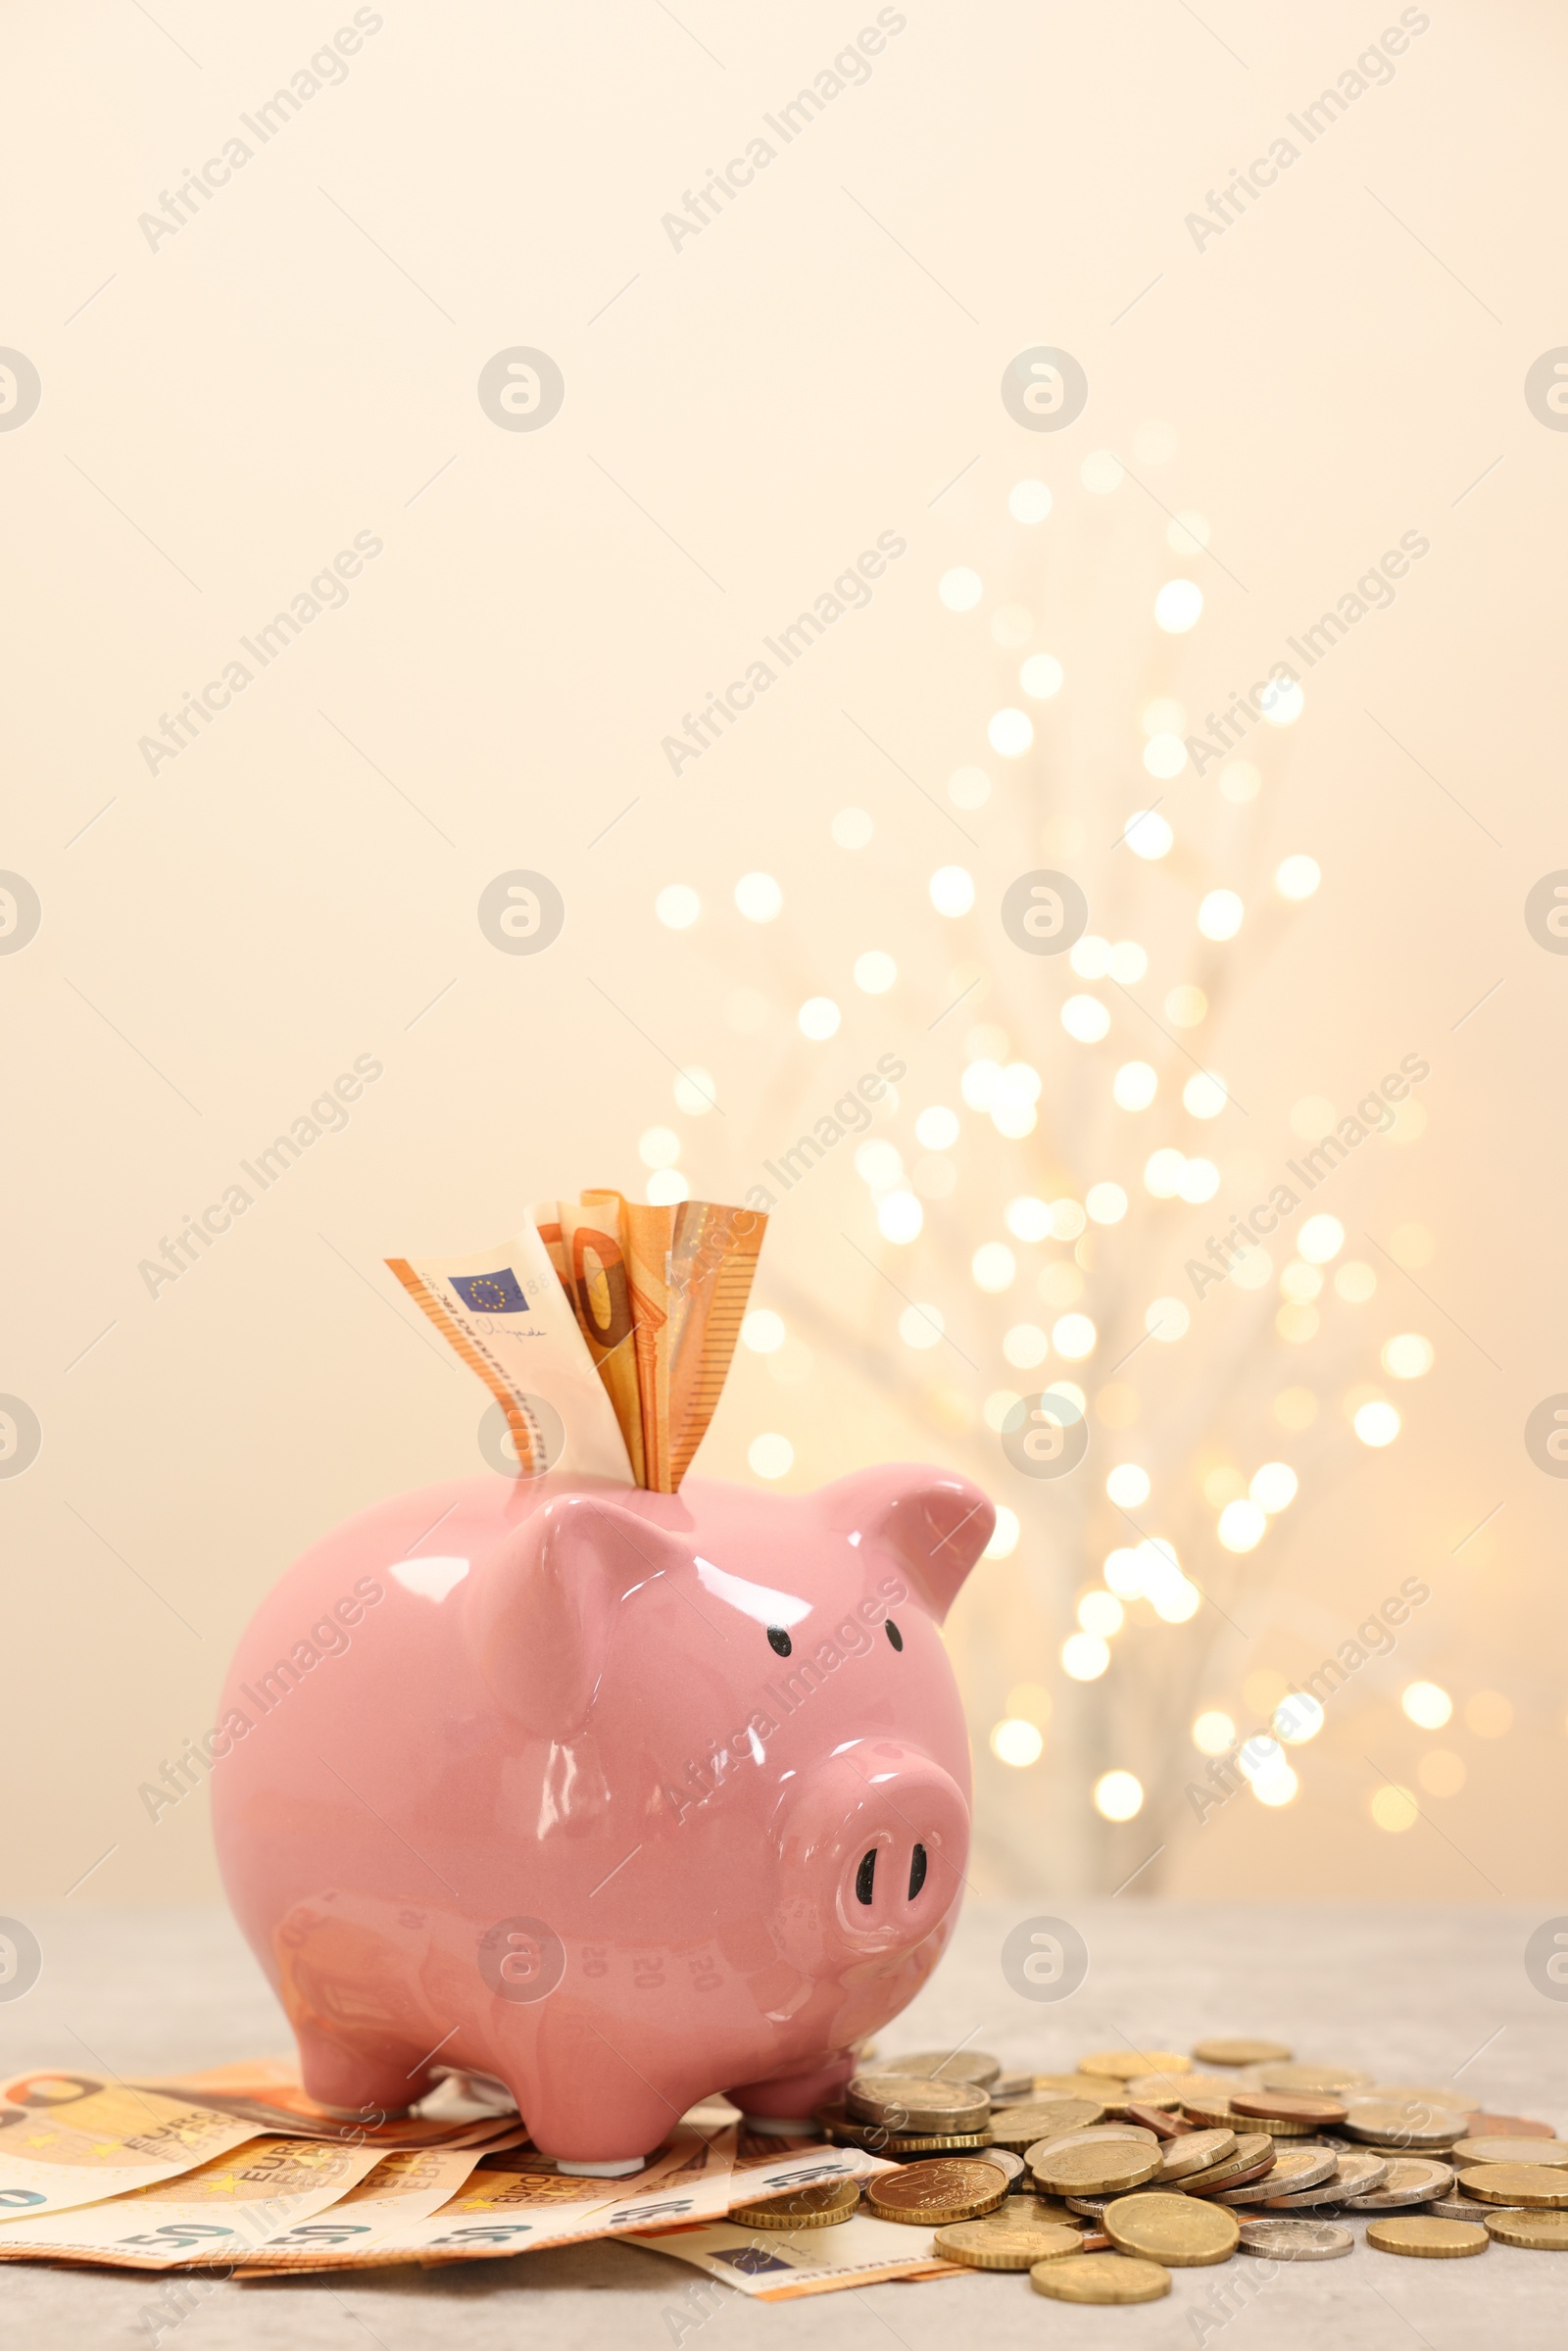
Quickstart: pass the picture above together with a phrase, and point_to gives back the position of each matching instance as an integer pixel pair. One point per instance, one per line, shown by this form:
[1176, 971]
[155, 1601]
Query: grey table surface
[1413, 1994]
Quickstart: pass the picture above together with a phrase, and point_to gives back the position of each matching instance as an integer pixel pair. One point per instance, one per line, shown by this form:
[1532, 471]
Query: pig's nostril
[917, 1870]
[866, 1877]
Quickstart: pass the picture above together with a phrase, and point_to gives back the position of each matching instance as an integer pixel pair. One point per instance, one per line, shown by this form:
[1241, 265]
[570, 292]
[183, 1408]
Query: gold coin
[911, 2102]
[1005, 2245]
[951, 2187]
[1293, 2172]
[1240, 2051]
[1123, 2065]
[1106, 2168]
[1417, 2233]
[841, 2129]
[1210, 2113]
[1255, 2159]
[1528, 2183]
[1018, 2127]
[955, 2065]
[1550, 2151]
[1073, 2085]
[1099, 2277]
[1176, 2230]
[1327, 2078]
[819, 2206]
[1196, 2151]
[1097, 2134]
[1537, 2231]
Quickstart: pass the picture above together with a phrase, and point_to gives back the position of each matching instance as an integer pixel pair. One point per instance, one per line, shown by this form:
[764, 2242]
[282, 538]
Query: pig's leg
[792, 2098]
[357, 2084]
[585, 2105]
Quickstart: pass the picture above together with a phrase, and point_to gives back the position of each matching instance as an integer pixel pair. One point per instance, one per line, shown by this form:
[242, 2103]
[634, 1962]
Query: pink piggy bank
[620, 1797]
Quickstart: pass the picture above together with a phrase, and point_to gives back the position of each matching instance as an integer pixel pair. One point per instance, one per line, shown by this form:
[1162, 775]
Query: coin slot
[917, 1870]
[865, 1878]
[778, 1640]
[893, 1633]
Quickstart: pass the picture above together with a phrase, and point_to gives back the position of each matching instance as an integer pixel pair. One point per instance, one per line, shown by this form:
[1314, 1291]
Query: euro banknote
[504, 1312]
[75, 2139]
[215, 2214]
[659, 1292]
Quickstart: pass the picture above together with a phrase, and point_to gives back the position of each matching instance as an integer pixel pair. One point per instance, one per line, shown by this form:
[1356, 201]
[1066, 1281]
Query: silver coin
[1410, 2125]
[1297, 2241]
[1093, 2206]
[1447, 2208]
[1412, 2180]
[1295, 2170]
[1355, 2175]
[1004, 2161]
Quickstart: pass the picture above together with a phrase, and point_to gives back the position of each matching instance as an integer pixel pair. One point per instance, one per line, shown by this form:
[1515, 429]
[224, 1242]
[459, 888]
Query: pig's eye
[893, 1633]
[779, 1640]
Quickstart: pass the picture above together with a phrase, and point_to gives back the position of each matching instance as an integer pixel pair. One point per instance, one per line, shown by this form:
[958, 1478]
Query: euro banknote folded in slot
[604, 1329]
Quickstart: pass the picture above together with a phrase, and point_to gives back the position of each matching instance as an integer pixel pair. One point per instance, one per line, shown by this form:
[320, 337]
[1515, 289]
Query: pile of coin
[1101, 2181]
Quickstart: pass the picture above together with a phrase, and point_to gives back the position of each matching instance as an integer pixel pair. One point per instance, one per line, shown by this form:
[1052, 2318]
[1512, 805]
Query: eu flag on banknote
[490, 1293]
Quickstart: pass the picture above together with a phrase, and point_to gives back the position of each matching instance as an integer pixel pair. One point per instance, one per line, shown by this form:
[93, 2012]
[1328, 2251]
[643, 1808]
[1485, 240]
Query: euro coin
[1457, 2207]
[1294, 2169]
[1288, 2106]
[817, 2206]
[1012, 2166]
[1411, 2180]
[1325, 2080]
[841, 2129]
[997, 2244]
[1162, 2090]
[1531, 2184]
[1404, 2123]
[1354, 2173]
[1010, 2086]
[1125, 2064]
[1211, 2114]
[927, 2195]
[1172, 2229]
[1099, 2277]
[955, 2065]
[1551, 2152]
[1297, 2241]
[1017, 2127]
[1240, 2051]
[1093, 2135]
[1197, 2151]
[1535, 2232]
[1106, 2167]
[1156, 2119]
[1506, 2125]
[1255, 2155]
[1098, 2088]
[910, 2103]
[1420, 2235]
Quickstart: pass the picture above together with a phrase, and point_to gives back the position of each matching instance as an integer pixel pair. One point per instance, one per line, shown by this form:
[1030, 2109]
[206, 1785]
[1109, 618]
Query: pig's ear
[541, 1612]
[935, 1523]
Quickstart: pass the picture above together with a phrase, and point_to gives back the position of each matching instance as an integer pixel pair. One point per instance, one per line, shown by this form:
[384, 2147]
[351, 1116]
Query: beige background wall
[298, 364]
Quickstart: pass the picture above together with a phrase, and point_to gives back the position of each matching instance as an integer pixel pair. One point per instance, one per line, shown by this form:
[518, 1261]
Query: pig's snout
[877, 1840]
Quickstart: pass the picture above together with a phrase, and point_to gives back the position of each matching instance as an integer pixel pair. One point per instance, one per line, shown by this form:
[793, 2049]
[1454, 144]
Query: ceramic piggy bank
[620, 1797]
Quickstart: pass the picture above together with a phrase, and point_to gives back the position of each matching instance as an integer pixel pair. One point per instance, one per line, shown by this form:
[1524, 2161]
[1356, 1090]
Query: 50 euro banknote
[215, 2214]
[69, 2139]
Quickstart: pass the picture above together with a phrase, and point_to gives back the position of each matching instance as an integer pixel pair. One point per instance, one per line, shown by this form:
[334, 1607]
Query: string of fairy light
[995, 1088]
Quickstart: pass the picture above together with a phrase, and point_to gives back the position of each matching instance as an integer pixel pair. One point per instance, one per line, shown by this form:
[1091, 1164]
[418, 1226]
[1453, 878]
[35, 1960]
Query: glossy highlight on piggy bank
[622, 1798]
